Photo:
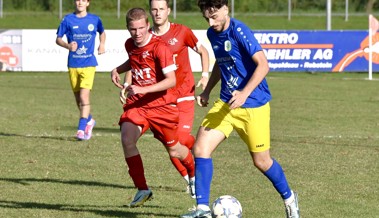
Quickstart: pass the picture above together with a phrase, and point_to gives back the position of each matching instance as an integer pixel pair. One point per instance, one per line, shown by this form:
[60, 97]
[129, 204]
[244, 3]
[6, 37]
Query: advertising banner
[286, 51]
[41, 53]
[10, 50]
[326, 51]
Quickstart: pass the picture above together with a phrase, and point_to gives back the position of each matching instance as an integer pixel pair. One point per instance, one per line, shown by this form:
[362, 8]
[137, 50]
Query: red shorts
[186, 115]
[162, 121]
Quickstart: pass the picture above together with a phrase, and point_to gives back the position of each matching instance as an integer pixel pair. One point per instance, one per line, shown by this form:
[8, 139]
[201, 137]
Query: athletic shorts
[186, 107]
[81, 78]
[251, 124]
[162, 121]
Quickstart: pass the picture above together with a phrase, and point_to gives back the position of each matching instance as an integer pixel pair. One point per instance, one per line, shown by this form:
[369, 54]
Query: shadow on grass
[61, 138]
[103, 211]
[83, 208]
[99, 130]
[28, 181]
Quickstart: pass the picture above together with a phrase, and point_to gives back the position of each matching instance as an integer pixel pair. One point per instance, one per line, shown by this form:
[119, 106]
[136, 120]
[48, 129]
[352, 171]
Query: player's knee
[173, 151]
[263, 164]
[202, 151]
[128, 144]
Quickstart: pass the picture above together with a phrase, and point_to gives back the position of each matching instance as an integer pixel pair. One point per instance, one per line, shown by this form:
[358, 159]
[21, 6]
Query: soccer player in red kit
[179, 38]
[150, 103]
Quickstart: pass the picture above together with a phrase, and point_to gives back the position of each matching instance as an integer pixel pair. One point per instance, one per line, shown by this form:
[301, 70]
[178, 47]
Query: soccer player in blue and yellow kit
[243, 106]
[80, 29]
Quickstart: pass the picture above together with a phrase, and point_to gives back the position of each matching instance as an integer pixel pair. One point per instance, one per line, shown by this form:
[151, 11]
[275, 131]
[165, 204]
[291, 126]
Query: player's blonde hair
[167, 2]
[136, 14]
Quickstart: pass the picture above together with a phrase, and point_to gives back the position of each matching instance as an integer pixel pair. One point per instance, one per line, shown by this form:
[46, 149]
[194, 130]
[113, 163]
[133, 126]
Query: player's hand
[134, 90]
[202, 100]
[73, 46]
[237, 100]
[202, 82]
[123, 92]
[101, 49]
[116, 78]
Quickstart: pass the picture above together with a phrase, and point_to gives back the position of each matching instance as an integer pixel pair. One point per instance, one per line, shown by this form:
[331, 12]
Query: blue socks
[83, 122]
[276, 175]
[89, 118]
[204, 170]
[204, 174]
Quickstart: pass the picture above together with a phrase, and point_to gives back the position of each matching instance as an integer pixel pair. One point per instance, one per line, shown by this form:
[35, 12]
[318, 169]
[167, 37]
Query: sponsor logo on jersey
[145, 54]
[81, 50]
[91, 27]
[227, 45]
[172, 41]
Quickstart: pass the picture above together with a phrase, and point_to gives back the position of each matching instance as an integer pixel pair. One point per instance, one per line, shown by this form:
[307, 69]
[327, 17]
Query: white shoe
[80, 136]
[191, 188]
[198, 213]
[89, 128]
[292, 209]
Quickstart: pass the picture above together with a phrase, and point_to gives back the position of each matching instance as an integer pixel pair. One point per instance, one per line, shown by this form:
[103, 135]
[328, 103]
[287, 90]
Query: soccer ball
[226, 206]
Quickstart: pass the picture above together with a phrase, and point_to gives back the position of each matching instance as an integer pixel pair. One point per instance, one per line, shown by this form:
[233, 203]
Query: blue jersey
[83, 31]
[233, 49]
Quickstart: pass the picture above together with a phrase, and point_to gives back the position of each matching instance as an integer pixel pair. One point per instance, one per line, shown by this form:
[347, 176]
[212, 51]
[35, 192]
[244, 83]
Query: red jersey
[180, 38]
[148, 64]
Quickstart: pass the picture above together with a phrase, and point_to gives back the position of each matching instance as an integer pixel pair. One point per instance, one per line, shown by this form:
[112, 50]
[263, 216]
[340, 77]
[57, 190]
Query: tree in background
[240, 6]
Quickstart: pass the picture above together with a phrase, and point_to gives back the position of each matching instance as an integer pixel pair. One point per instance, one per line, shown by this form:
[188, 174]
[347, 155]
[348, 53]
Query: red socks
[189, 164]
[179, 166]
[136, 171]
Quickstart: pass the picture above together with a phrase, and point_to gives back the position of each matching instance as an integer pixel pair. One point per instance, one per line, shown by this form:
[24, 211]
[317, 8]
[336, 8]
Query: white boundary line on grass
[94, 135]
[151, 135]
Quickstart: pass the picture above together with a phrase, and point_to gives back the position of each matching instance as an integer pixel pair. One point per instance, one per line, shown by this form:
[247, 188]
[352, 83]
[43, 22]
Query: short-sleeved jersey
[233, 49]
[179, 38]
[148, 65]
[83, 31]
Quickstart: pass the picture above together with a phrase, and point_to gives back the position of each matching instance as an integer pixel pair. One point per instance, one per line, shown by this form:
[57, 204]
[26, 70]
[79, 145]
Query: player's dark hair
[208, 4]
[136, 14]
[167, 2]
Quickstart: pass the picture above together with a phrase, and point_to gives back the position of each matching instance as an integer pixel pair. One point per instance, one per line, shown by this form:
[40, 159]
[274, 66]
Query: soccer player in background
[243, 105]
[80, 29]
[179, 38]
[150, 103]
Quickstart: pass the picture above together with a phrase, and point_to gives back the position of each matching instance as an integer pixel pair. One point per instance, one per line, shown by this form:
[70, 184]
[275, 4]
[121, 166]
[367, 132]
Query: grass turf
[323, 128]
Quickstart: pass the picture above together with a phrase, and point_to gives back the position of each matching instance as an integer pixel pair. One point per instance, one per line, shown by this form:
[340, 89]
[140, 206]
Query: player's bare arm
[124, 91]
[101, 49]
[202, 99]
[70, 46]
[240, 96]
[168, 82]
[204, 55]
[128, 77]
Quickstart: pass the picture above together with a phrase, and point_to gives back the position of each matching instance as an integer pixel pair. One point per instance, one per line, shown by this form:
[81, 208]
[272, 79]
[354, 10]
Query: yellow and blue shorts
[81, 78]
[251, 124]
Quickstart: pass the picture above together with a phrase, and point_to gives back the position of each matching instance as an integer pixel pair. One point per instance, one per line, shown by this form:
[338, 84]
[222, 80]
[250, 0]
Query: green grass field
[324, 134]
